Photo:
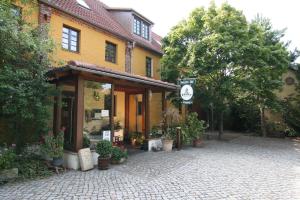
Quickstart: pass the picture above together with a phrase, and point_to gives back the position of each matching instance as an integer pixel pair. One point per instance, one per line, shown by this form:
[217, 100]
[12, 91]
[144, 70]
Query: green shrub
[54, 145]
[7, 158]
[104, 148]
[193, 128]
[86, 142]
[31, 166]
[118, 154]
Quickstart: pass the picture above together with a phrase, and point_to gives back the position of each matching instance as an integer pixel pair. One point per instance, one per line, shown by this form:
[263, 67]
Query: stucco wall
[91, 43]
[139, 62]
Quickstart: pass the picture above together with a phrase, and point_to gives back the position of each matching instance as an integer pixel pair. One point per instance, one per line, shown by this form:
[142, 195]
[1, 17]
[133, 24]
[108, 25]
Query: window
[139, 108]
[110, 52]
[141, 28]
[136, 26]
[16, 11]
[70, 39]
[149, 71]
[82, 3]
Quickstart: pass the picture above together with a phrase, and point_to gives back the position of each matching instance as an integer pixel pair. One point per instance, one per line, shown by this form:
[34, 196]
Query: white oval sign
[186, 92]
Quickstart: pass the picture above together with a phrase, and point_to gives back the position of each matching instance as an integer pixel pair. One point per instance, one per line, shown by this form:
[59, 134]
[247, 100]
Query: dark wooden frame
[69, 39]
[116, 52]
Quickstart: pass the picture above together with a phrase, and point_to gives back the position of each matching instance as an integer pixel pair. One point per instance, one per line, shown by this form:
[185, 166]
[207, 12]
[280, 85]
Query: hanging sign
[187, 91]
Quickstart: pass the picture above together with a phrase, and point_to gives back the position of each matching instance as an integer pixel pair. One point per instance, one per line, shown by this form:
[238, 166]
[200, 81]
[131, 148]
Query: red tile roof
[99, 16]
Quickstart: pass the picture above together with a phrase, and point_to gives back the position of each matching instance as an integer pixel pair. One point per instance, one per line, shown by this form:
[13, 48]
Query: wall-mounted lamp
[96, 96]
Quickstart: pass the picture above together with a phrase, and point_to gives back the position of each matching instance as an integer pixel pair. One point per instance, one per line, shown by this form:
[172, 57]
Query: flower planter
[198, 143]
[167, 145]
[117, 162]
[103, 163]
[57, 162]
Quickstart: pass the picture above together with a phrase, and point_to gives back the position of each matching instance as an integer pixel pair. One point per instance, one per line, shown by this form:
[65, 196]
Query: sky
[167, 13]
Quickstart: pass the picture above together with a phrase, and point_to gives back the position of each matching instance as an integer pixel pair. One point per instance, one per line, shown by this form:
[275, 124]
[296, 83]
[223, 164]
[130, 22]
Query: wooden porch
[76, 73]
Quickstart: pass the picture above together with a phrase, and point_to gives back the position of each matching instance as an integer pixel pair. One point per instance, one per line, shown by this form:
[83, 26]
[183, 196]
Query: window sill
[66, 50]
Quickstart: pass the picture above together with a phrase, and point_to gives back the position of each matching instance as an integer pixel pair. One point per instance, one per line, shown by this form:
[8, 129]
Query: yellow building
[288, 89]
[107, 67]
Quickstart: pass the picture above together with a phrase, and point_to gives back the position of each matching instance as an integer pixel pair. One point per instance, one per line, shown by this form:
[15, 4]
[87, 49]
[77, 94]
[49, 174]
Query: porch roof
[116, 76]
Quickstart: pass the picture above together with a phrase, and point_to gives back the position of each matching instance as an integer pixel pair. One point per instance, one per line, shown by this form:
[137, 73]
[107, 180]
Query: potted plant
[170, 120]
[54, 148]
[118, 155]
[137, 138]
[104, 149]
[193, 129]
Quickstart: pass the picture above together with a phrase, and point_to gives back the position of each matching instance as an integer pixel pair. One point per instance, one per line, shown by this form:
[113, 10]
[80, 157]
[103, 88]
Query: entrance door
[67, 116]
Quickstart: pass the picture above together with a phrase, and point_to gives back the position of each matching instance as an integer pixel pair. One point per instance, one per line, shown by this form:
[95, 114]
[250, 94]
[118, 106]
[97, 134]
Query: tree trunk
[262, 121]
[212, 119]
[221, 125]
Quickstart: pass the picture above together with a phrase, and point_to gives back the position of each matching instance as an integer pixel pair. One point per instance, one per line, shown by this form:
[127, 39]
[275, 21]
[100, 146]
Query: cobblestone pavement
[243, 168]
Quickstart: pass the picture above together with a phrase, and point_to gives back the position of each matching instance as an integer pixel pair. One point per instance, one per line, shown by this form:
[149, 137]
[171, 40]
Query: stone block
[85, 159]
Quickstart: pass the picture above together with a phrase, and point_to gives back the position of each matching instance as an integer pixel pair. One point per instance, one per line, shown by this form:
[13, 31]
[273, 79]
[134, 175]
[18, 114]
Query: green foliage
[86, 141]
[137, 137]
[118, 154]
[155, 133]
[209, 46]
[267, 59]
[24, 91]
[7, 158]
[54, 145]
[231, 58]
[242, 116]
[31, 166]
[104, 148]
[193, 128]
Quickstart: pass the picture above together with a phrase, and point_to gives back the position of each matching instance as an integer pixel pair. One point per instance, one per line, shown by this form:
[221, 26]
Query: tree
[266, 59]
[209, 45]
[24, 91]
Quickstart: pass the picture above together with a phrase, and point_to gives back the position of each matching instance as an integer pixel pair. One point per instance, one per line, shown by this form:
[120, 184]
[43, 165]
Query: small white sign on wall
[105, 113]
[106, 135]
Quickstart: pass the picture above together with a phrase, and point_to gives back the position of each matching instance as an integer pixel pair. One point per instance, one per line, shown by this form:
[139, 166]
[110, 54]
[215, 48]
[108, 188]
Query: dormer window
[141, 28]
[83, 4]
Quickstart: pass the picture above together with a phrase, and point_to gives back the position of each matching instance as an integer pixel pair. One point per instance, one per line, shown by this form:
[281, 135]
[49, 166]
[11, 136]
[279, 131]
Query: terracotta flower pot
[103, 163]
[198, 143]
[167, 145]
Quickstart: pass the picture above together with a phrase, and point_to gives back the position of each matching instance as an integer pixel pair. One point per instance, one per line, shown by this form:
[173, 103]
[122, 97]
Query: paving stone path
[243, 168]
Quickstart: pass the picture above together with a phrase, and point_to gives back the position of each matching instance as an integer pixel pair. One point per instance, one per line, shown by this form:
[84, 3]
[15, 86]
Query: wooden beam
[112, 128]
[79, 110]
[57, 110]
[147, 112]
[126, 113]
[163, 101]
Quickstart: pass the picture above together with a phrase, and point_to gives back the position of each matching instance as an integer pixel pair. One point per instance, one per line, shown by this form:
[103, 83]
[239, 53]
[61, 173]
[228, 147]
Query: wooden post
[147, 112]
[126, 113]
[163, 101]
[178, 138]
[57, 111]
[112, 128]
[79, 110]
